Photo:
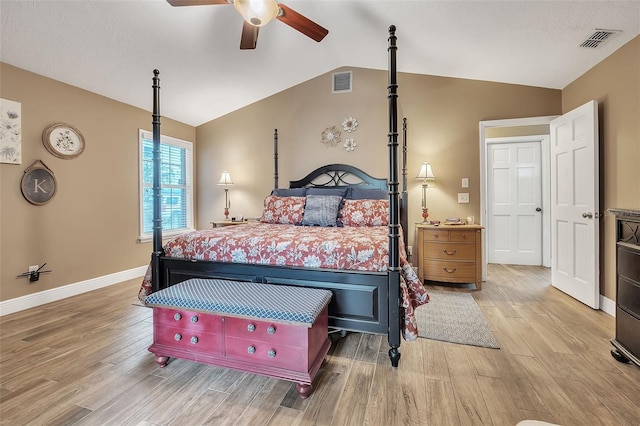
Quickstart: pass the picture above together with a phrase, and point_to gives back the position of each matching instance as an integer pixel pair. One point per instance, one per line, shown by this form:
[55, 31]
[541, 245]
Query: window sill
[165, 235]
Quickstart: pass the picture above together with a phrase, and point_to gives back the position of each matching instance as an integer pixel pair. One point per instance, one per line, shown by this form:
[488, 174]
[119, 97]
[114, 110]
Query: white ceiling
[112, 47]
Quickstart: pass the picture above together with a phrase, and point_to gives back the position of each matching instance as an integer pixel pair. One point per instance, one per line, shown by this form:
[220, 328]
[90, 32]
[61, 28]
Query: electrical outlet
[465, 182]
[33, 268]
[463, 197]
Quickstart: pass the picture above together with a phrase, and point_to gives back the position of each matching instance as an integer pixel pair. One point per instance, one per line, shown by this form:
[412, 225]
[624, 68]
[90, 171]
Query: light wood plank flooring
[84, 361]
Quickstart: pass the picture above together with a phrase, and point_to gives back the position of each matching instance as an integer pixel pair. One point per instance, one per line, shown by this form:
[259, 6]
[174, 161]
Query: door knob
[538, 209]
[587, 215]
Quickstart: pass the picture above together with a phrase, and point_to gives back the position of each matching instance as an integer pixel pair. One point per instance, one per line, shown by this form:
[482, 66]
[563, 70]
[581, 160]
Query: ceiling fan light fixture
[257, 12]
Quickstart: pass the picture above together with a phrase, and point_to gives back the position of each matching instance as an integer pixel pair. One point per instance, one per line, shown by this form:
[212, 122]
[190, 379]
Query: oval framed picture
[38, 185]
[63, 140]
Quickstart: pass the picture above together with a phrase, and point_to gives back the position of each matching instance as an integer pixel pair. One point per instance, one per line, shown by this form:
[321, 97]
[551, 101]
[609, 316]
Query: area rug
[454, 317]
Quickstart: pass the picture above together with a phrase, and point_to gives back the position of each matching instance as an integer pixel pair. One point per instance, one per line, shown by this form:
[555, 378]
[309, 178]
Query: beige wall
[615, 84]
[443, 117]
[90, 228]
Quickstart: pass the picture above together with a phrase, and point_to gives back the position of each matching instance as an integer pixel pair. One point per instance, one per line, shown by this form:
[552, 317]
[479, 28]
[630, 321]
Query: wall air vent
[341, 82]
[598, 37]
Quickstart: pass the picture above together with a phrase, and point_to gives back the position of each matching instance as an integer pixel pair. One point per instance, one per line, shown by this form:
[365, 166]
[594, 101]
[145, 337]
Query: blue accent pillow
[333, 190]
[289, 192]
[360, 193]
[321, 210]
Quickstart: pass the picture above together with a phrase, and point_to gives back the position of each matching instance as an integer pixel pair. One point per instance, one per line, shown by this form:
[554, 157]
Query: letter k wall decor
[38, 184]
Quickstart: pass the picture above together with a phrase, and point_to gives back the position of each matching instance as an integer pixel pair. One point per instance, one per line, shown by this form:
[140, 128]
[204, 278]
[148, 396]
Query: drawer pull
[194, 318]
[177, 316]
[451, 271]
[271, 329]
[251, 327]
[449, 252]
[177, 337]
[251, 349]
[272, 353]
[194, 340]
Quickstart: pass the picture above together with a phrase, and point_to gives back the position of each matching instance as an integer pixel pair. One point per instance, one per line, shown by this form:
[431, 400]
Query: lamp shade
[425, 172]
[225, 179]
[257, 12]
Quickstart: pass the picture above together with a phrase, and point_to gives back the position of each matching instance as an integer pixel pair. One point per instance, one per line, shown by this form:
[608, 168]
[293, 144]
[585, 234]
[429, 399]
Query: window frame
[189, 184]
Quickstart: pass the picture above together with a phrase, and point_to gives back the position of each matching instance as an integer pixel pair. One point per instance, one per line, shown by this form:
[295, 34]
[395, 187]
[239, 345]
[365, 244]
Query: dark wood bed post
[157, 218]
[394, 207]
[404, 197]
[275, 159]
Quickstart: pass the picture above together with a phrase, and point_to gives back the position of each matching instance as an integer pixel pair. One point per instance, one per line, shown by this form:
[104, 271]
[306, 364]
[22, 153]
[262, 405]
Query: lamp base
[425, 216]
[226, 213]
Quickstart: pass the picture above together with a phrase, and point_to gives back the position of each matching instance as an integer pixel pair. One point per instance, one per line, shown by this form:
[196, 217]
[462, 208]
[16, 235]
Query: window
[176, 183]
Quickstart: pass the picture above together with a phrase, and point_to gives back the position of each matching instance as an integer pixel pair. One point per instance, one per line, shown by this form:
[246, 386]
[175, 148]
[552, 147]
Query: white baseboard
[608, 306]
[32, 300]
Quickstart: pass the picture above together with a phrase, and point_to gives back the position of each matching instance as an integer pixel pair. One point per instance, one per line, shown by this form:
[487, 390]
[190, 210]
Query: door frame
[545, 173]
[546, 161]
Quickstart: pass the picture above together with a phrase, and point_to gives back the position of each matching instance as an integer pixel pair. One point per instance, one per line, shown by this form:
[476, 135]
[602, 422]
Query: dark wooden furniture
[367, 302]
[450, 253]
[627, 341]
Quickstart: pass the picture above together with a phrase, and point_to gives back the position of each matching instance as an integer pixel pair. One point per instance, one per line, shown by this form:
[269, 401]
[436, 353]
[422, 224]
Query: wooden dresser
[450, 253]
[627, 340]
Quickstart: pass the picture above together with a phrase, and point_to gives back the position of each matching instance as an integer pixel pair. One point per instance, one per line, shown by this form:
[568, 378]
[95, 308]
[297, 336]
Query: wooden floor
[84, 361]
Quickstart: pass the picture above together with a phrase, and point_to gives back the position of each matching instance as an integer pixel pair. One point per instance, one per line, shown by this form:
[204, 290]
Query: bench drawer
[212, 344]
[265, 331]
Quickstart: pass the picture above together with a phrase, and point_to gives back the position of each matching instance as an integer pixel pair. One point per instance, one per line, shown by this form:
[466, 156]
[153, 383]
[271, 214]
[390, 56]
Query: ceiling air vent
[598, 37]
[341, 82]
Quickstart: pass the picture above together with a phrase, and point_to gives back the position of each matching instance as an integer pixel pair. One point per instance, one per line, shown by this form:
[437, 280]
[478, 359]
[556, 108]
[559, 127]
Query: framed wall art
[63, 140]
[10, 132]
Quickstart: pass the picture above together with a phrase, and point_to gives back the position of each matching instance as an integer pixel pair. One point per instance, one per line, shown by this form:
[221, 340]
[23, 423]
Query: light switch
[463, 197]
[465, 182]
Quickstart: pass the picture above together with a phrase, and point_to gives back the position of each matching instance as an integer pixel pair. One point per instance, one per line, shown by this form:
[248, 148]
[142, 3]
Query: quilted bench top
[244, 299]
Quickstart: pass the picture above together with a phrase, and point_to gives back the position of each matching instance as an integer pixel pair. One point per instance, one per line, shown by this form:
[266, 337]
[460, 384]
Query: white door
[575, 264]
[514, 183]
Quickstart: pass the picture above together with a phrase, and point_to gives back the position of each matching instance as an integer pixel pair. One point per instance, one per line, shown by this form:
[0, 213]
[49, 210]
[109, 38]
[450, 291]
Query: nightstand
[450, 253]
[223, 223]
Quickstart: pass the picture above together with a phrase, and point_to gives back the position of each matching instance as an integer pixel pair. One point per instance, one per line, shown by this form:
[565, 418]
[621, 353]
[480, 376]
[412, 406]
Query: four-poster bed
[374, 287]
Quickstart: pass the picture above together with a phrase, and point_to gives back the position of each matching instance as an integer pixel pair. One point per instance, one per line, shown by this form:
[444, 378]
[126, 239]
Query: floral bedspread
[363, 248]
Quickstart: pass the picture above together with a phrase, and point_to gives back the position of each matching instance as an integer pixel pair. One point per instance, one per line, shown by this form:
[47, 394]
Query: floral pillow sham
[365, 213]
[283, 210]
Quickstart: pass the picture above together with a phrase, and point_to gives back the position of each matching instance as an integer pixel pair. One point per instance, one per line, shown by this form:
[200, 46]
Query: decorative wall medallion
[38, 184]
[349, 124]
[350, 144]
[10, 132]
[63, 140]
[331, 136]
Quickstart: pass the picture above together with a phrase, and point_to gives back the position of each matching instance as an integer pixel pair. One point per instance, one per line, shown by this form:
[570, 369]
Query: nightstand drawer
[437, 235]
[459, 272]
[462, 236]
[449, 251]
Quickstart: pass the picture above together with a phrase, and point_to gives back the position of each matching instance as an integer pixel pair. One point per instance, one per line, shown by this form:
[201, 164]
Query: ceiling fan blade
[249, 38]
[196, 2]
[301, 23]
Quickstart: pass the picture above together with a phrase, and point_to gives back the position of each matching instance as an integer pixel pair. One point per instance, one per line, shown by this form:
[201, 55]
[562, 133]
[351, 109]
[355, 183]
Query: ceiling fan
[257, 13]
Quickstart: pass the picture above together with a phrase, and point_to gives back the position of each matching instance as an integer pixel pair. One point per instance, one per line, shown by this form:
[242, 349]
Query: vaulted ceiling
[111, 47]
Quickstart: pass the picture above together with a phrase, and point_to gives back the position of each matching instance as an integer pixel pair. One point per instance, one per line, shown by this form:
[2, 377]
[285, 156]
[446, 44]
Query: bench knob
[251, 327]
[177, 337]
[271, 329]
[272, 353]
[194, 318]
[251, 349]
[194, 340]
[177, 316]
